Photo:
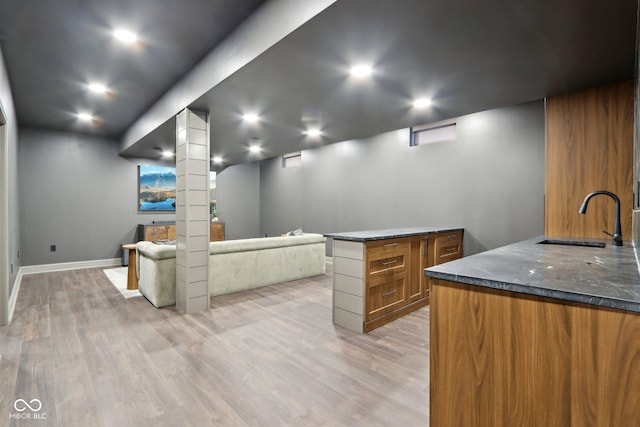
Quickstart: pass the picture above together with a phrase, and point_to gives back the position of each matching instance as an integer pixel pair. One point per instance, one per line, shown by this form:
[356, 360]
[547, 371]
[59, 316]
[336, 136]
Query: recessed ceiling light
[361, 71]
[85, 117]
[218, 159]
[255, 148]
[250, 118]
[97, 88]
[314, 132]
[167, 154]
[421, 103]
[125, 36]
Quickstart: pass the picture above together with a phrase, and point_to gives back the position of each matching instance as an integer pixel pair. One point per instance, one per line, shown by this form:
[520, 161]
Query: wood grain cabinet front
[216, 231]
[167, 231]
[378, 281]
[387, 257]
[441, 248]
[386, 276]
[448, 247]
[418, 286]
[385, 294]
[151, 232]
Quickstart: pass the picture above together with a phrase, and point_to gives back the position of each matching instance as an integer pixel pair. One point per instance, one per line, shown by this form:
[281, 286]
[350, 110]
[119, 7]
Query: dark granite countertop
[390, 233]
[607, 277]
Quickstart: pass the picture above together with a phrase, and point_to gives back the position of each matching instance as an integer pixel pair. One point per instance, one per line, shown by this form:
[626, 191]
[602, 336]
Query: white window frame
[442, 131]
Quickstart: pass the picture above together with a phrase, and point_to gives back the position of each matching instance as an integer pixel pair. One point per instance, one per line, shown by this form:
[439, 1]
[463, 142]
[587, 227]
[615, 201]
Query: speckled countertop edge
[389, 233]
[604, 277]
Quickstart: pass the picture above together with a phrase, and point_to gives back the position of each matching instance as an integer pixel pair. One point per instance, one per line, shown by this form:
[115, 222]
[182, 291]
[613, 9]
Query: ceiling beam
[267, 26]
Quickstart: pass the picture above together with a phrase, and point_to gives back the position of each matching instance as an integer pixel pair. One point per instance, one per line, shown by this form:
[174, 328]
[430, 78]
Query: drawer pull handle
[390, 262]
[452, 236]
[451, 249]
[389, 293]
[389, 245]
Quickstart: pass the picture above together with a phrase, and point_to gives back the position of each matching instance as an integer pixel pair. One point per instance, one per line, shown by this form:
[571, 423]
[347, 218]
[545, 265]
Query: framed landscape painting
[156, 188]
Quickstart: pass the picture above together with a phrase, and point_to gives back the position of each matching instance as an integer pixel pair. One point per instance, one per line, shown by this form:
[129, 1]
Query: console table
[166, 230]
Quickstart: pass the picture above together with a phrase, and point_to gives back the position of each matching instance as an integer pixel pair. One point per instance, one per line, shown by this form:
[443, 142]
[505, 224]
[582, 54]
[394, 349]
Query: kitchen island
[377, 274]
[536, 334]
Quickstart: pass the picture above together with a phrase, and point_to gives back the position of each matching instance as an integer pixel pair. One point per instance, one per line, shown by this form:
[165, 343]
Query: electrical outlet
[53, 248]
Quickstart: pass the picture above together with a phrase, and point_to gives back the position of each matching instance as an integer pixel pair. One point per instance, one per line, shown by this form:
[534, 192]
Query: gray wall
[238, 200]
[9, 232]
[281, 197]
[77, 193]
[489, 181]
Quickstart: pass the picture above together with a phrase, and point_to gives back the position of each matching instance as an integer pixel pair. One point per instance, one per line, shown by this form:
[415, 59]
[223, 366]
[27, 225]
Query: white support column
[192, 211]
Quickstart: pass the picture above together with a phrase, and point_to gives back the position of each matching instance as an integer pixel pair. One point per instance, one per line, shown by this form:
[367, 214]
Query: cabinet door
[386, 276]
[385, 293]
[428, 260]
[416, 287]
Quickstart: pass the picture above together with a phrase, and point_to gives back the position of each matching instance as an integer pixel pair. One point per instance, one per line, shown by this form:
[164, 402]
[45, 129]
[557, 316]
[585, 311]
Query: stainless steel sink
[573, 243]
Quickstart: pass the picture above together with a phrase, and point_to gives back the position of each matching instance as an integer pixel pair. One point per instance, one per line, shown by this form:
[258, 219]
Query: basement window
[292, 160]
[444, 131]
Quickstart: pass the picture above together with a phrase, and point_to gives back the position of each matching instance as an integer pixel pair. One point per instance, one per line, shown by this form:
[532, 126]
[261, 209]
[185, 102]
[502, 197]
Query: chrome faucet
[617, 231]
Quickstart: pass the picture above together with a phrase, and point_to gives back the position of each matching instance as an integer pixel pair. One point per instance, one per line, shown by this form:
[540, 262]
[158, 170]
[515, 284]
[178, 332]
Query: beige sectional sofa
[234, 265]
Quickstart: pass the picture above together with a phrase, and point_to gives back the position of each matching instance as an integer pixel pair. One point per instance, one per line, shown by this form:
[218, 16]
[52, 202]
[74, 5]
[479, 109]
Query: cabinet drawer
[393, 263]
[386, 248]
[387, 257]
[451, 236]
[448, 252]
[385, 294]
[448, 246]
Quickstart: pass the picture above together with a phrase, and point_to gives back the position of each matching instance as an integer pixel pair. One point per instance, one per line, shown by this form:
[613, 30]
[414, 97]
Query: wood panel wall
[502, 359]
[589, 147]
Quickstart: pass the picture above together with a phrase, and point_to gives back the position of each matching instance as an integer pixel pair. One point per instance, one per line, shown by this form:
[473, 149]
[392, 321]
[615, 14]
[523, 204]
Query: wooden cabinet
[216, 231]
[417, 287]
[500, 358]
[438, 249]
[589, 147]
[386, 276]
[156, 231]
[167, 231]
[377, 281]
[447, 247]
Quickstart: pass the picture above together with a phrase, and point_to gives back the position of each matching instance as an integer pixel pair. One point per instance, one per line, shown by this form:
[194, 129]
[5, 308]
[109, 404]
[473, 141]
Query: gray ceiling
[53, 48]
[468, 55]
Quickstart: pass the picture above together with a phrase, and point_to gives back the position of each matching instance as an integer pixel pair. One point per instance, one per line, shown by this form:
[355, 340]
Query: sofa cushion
[234, 265]
[164, 251]
[242, 245]
[155, 251]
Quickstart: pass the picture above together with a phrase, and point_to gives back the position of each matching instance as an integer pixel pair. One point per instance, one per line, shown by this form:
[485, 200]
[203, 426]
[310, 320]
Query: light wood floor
[267, 357]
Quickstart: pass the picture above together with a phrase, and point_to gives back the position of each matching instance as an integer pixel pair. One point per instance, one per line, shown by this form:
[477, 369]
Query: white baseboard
[14, 294]
[46, 268]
